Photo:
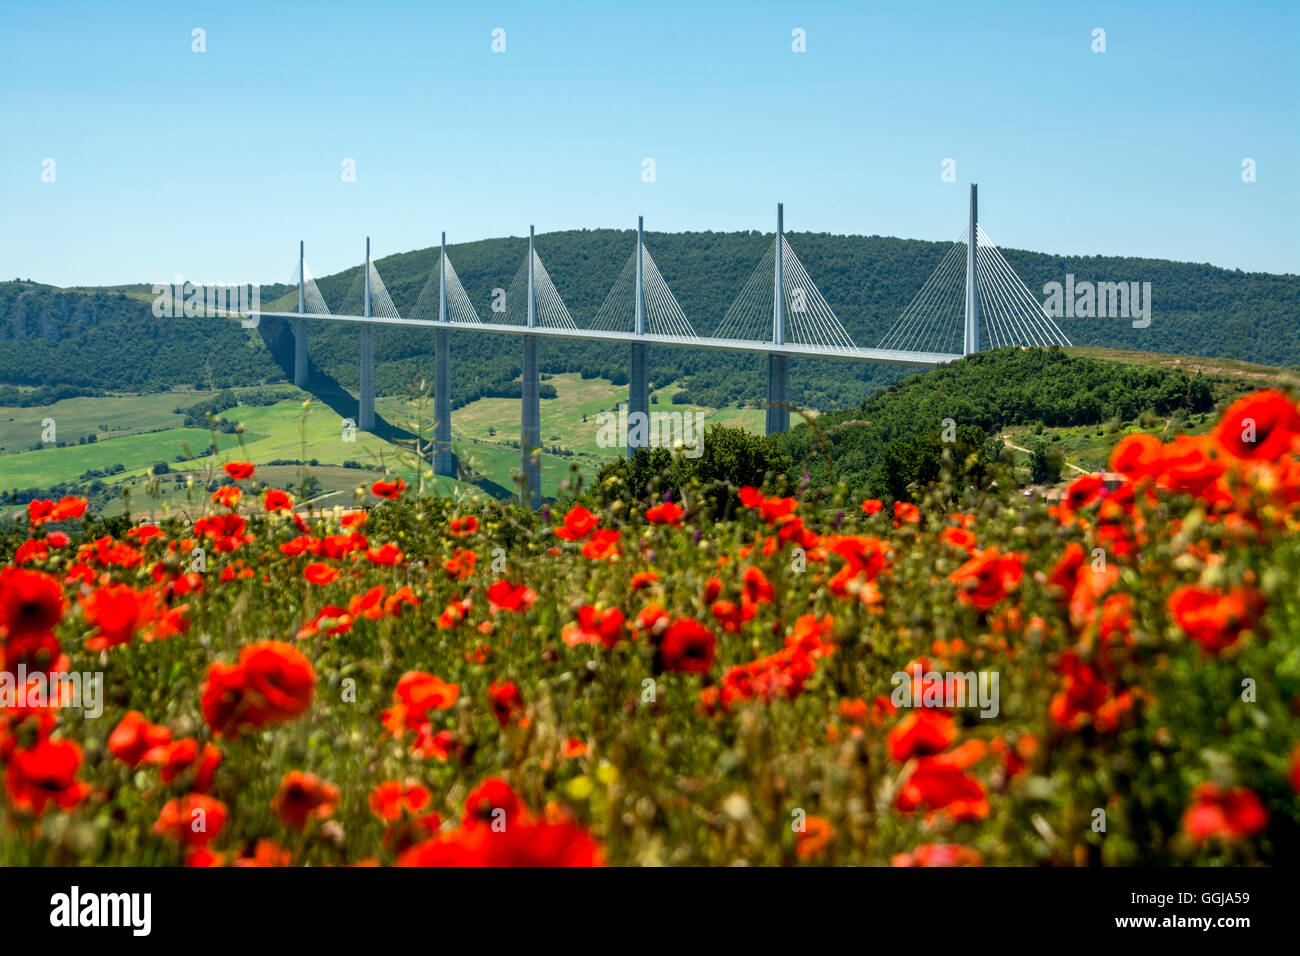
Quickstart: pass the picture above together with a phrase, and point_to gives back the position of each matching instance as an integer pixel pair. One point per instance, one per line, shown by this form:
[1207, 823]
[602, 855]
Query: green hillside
[88, 340]
[1080, 404]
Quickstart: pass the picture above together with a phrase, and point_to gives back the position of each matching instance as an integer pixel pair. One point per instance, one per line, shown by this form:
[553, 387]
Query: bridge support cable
[931, 320]
[1018, 294]
[444, 298]
[1008, 312]
[532, 293]
[807, 318]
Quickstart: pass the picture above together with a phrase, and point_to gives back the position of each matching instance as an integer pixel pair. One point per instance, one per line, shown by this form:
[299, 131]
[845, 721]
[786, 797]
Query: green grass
[145, 429]
[110, 417]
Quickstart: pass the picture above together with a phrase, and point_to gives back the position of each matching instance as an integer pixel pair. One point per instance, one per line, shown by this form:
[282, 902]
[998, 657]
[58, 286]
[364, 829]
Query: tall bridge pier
[971, 335]
[530, 431]
[300, 327]
[778, 365]
[366, 400]
[444, 460]
[638, 381]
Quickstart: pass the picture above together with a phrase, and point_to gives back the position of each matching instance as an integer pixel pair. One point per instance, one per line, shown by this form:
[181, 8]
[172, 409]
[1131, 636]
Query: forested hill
[878, 446]
[109, 339]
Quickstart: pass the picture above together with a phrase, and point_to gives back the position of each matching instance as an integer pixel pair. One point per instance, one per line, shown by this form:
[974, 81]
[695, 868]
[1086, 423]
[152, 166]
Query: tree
[1044, 464]
[730, 459]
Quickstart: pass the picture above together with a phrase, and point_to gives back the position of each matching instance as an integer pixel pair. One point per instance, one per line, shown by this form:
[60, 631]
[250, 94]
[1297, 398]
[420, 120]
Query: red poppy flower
[390, 800]
[666, 513]
[117, 612]
[814, 838]
[872, 506]
[331, 619]
[302, 797]
[65, 509]
[939, 854]
[277, 500]
[1229, 814]
[387, 554]
[642, 579]
[1214, 618]
[906, 513]
[227, 496]
[921, 733]
[226, 531]
[271, 683]
[1088, 698]
[416, 694]
[453, 615]
[192, 820]
[511, 597]
[492, 801]
[318, 572]
[265, 853]
[43, 774]
[30, 601]
[530, 843]
[391, 490]
[578, 523]
[733, 616]
[402, 597]
[507, 702]
[134, 736]
[687, 645]
[1262, 426]
[176, 757]
[941, 786]
[1138, 456]
[595, 626]
[959, 538]
[603, 545]
[460, 527]
[987, 578]
[239, 470]
[755, 587]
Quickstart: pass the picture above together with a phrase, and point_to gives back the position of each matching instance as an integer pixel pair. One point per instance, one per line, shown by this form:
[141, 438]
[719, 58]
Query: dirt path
[1082, 471]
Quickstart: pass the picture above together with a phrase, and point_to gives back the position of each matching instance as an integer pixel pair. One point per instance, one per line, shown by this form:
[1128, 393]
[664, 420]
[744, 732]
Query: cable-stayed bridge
[973, 299]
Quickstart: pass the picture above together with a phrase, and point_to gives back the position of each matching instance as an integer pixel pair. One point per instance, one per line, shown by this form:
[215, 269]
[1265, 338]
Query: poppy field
[771, 676]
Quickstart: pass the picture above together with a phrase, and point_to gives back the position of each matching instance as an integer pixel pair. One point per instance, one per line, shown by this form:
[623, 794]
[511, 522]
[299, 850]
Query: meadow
[138, 431]
[727, 676]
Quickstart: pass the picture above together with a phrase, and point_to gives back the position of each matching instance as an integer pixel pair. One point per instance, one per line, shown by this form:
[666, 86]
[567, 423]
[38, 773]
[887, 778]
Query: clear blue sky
[213, 165]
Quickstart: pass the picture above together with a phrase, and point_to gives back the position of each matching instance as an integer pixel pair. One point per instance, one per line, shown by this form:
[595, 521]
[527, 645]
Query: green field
[137, 431]
[570, 419]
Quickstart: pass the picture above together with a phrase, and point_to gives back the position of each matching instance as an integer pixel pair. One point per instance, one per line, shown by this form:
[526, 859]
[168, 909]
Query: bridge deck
[883, 356]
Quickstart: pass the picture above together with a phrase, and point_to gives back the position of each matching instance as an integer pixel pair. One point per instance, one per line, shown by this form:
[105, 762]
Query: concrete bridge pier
[971, 333]
[638, 384]
[444, 460]
[366, 401]
[778, 366]
[638, 401]
[530, 424]
[778, 393]
[300, 328]
[300, 352]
